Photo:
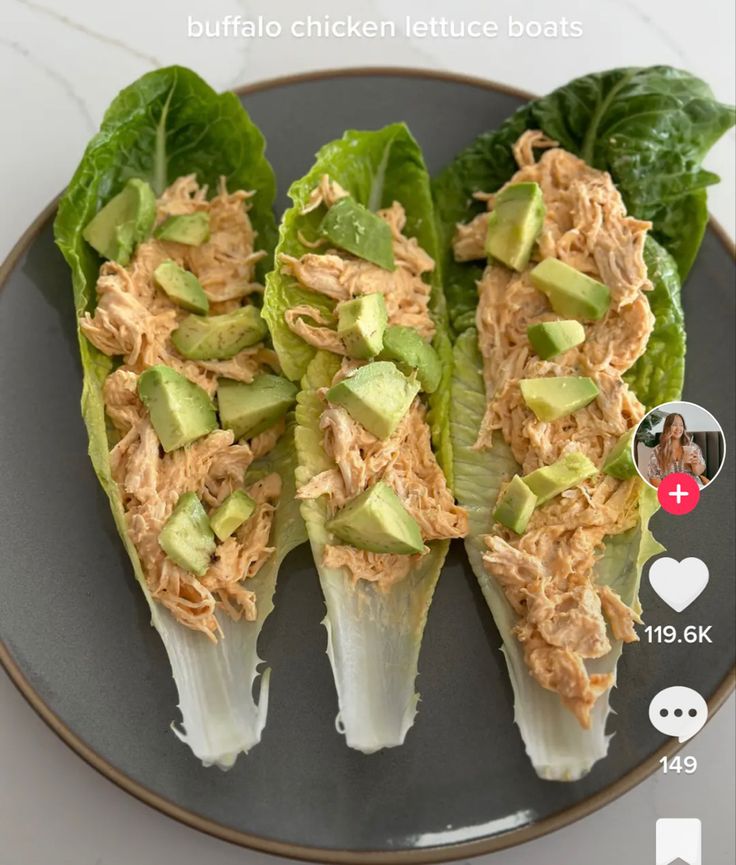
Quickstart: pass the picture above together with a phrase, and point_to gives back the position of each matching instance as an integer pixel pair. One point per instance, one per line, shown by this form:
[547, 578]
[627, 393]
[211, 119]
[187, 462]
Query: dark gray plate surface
[76, 628]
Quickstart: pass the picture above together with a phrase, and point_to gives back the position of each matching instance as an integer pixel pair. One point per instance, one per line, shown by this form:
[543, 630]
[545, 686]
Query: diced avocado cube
[180, 410]
[514, 224]
[186, 537]
[410, 352]
[250, 408]
[192, 229]
[377, 521]
[620, 461]
[231, 514]
[181, 286]
[361, 323]
[554, 397]
[219, 337]
[377, 395]
[352, 227]
[570, 292]
[568, 471]
[515, 506]
[123, 222]
[550, 338]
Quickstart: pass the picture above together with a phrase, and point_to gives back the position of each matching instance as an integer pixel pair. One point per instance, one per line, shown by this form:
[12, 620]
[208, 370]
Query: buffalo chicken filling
[133, 321]
[547, 573]
[404, 460]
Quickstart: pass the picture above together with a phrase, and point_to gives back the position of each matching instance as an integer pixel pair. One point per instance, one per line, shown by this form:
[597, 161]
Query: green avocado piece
[570, 292]
[568, 471]
[409, 351]
[514, 224]
[219, 337]
[550, 338]
[620, 461]
[361, 323]
[250, 408]
[554, 397]
[181, 286]
[231, 514]
[377, 395]
[123, 222]
[192, 229]
[180, 410]
[352, 227]
[377, 521]
[515, 506]
[186, 536]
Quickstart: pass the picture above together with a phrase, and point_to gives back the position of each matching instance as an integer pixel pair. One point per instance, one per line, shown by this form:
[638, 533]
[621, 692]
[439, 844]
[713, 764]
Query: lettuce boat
[175, 137]
[649, 129]
[377, 603]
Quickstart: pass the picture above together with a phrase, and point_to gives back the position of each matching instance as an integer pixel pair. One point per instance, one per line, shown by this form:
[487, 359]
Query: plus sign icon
[678, 493]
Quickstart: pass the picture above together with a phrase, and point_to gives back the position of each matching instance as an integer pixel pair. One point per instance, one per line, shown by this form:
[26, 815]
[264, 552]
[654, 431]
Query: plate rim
[418, 856]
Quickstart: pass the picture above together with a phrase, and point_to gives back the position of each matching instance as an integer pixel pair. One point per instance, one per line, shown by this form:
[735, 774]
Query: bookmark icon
[679, 841]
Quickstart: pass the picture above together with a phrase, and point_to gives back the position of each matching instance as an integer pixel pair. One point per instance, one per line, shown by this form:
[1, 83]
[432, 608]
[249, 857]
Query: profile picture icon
[679, 438]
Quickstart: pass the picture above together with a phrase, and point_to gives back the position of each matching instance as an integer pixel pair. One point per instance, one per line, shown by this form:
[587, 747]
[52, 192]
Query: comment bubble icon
[678, 711]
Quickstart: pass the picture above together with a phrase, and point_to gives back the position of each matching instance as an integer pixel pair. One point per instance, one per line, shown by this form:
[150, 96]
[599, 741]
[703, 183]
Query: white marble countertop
[61, 61]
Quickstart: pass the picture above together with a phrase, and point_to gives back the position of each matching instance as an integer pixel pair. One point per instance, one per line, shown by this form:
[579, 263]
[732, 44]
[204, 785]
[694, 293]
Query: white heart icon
[678, 583]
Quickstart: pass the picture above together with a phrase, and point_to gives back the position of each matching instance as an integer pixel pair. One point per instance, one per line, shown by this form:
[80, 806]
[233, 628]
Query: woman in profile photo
[676, 452]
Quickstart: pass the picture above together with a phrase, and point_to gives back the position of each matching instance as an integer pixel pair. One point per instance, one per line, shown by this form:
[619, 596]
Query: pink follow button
[678, 493]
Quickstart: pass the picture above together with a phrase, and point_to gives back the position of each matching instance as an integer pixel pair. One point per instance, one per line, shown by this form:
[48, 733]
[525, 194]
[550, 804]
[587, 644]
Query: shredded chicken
[339, 277]
[620, 617]
[524, 147]
[404, 460]
[225, 265]
[384, 569]
[122, 323]
[548, 572]
[134, 320]
[243, 554]
[319, 335]
[151, 485]
[407, 251]
[469, 242]
[326, 192]
[563, 671]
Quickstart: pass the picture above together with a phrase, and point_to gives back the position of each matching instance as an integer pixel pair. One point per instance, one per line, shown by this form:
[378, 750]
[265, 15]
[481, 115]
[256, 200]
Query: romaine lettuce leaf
[374, 634]
[659, 373]
[376, 168]
[166, 124]
[559, 749]
[221, 718]
[649, 127]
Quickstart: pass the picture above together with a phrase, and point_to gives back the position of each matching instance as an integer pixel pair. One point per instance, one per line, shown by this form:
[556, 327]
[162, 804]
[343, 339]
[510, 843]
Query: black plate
[76, 631]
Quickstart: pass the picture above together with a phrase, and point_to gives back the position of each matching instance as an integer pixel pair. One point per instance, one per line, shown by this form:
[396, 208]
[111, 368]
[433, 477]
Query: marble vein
[54, 76]
[86, 31]
[240, 75]
[636, 9]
